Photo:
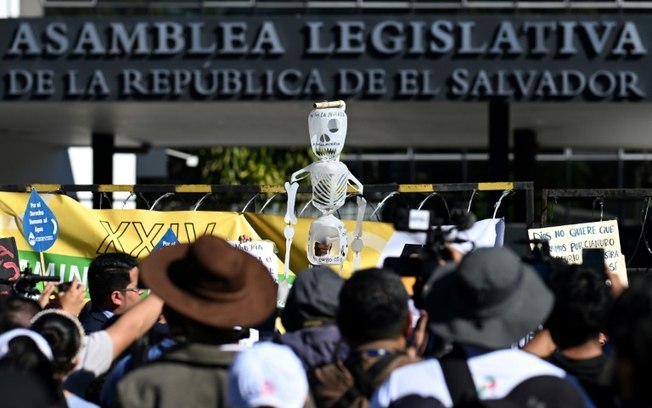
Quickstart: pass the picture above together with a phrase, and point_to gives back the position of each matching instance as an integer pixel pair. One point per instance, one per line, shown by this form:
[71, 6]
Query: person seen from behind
[309, 317]
[482, 306]
[582, 303]
[374, 319]
[65, 336]
[267, 375]
[629, 328]
[23, 351]
[213, 293]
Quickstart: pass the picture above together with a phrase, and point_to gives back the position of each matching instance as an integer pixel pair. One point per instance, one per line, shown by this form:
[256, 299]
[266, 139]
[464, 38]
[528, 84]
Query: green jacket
[194, 375]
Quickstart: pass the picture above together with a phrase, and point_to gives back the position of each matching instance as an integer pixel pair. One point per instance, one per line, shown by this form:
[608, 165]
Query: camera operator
[443, 245]
[420, 262]
[374, 319]
[69, 296]
[542, 344]
[482, 306]
[19, 308]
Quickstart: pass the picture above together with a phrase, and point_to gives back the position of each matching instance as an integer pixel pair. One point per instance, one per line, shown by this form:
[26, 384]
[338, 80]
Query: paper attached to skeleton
[327, 241]
[329, 104]
[327, 128]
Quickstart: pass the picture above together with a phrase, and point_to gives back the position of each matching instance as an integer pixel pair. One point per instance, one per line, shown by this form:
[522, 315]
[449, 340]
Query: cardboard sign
[168, 239]
[568, 241]
[264, 251]
[9, 264]
[40, 226]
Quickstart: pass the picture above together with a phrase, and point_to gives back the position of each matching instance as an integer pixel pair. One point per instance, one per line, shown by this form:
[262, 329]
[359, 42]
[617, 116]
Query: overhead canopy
[371, 124]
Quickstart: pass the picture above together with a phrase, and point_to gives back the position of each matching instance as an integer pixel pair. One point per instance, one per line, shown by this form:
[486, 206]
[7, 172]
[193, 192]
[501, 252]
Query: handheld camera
[422, 261]
[25, 285]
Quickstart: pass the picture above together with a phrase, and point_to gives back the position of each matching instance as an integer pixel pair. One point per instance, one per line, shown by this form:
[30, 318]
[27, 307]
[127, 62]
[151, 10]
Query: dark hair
[17, 311]
[63, 336]
[373, 305]
[20, 390]
[109, 272]
[24, 356]
[629, 328]
[582, 304]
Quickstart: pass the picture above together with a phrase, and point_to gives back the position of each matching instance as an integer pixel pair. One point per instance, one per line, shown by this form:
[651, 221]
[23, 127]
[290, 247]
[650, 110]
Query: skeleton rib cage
[329, 184]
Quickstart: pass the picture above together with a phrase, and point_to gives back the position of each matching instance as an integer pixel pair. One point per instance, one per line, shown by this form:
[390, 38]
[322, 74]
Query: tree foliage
[251, 165]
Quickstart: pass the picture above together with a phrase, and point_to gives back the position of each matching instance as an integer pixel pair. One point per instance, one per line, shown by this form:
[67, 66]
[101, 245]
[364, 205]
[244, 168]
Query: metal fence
[256, 198]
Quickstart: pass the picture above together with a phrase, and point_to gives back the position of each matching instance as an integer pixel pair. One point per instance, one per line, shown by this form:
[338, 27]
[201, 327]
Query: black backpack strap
[363, 381]
[458, 379]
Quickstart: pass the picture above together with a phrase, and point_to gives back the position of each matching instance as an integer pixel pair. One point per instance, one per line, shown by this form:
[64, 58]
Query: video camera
[25, 285]
[421, 261]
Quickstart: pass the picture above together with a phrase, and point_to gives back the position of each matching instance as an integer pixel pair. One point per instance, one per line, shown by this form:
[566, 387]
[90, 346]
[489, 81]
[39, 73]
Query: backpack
[363, 380]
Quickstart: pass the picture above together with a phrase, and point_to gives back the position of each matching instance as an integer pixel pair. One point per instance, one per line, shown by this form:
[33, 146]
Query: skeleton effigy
[330, 178]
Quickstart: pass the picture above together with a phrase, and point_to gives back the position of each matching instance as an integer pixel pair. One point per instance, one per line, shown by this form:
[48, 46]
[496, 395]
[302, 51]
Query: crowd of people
[488, 332]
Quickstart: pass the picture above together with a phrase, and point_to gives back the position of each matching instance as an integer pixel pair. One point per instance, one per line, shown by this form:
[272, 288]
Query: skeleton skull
[327, 129]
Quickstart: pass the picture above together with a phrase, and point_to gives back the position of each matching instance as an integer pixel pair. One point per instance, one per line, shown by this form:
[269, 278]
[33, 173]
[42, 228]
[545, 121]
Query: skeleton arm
[356, 243]
[290, 219]
[291, 188]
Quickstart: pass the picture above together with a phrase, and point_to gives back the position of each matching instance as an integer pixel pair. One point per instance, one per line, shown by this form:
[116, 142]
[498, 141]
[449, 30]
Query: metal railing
[598, 194]
[252, 191]
[353, 4]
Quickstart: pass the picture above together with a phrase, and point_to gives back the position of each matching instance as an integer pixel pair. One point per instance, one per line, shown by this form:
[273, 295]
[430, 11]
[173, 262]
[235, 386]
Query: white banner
[484, 233]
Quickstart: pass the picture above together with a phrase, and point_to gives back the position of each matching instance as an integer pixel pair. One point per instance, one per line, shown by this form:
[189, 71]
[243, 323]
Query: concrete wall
[25, 162]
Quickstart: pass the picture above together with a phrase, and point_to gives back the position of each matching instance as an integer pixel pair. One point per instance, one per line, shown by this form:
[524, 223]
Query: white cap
[267, 374]
[39, 340]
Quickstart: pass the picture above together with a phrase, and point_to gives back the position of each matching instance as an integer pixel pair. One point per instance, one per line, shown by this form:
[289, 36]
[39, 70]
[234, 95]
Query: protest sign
[40, 226]
[568, 241]
[9, 264]
[264, 251]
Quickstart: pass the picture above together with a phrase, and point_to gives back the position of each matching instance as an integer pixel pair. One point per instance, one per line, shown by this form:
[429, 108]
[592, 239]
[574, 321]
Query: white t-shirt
[95, 359]
[97, 353]
[495, 374]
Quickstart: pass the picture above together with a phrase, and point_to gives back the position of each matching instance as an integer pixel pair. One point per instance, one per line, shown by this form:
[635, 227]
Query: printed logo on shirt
[488, 385]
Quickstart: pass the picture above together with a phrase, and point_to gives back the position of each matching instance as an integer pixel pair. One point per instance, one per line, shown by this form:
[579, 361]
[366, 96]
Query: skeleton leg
[357, 244]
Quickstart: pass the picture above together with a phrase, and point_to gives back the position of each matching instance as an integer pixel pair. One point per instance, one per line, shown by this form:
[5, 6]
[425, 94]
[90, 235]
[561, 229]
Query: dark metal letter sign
[423, 57]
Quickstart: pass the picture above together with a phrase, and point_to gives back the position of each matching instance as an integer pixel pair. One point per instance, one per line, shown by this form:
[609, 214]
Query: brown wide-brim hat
[211, 282]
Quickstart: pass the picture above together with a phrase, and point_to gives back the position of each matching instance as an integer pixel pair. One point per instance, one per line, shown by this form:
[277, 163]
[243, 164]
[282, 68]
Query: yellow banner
[84, 233]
